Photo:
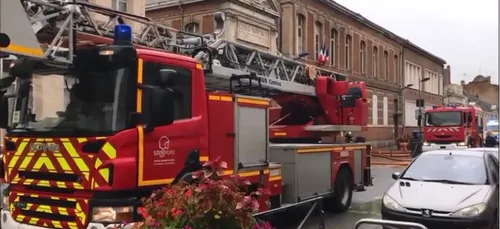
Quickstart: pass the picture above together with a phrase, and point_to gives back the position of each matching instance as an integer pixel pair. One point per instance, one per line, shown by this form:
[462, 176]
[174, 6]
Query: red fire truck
[129, 114]
[452, 127]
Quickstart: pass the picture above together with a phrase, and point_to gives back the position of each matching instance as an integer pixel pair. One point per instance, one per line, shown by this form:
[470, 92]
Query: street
[364, 204]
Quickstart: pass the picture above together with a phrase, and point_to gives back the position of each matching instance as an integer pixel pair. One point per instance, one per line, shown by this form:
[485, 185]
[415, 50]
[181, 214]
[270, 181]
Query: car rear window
[458, 168]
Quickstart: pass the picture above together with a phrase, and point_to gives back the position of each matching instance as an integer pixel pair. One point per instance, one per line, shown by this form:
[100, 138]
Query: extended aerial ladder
[50, 31]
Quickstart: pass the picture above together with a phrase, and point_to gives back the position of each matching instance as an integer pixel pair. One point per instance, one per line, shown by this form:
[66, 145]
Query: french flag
[324, 55]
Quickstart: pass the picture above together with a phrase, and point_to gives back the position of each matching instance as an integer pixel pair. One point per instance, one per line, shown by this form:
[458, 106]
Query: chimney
[462, 82]
[447, 75]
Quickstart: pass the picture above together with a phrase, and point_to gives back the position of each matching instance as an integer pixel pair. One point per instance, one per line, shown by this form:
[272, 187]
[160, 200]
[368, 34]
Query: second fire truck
[138, 115]
[452, 127]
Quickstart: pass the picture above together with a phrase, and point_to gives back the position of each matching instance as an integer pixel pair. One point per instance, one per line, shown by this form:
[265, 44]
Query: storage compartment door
[251, 136]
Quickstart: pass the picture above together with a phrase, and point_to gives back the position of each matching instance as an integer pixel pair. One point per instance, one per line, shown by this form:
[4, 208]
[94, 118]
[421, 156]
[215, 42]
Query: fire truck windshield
[443, 118]
[91, 104]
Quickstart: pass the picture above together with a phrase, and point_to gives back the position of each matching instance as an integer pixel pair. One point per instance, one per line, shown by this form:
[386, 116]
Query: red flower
[143, 212]
[188, 193]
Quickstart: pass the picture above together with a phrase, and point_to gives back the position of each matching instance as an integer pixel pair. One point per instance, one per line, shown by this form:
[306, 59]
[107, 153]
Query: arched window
[362, 57]
[301, 41]
[386, 65]
[348, 54]
[334, 34]
[318, 38]
[193, 28]
[396, 68]
[375, 61]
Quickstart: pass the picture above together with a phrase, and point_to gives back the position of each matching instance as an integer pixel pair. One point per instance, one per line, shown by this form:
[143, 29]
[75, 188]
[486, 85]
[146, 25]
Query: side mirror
[396, 175]
[4, 111]
[160, 108]
[469, 117]
[166, 76]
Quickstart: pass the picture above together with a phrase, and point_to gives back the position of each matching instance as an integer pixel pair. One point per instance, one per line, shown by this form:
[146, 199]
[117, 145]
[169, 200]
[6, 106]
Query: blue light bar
[434, 106]
[454, 105]
[122, 34]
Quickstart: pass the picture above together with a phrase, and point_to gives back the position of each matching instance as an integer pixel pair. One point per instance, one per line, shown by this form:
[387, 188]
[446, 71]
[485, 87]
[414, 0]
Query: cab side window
[180, 83]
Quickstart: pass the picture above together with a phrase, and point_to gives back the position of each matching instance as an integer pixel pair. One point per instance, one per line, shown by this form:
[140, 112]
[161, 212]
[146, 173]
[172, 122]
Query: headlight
[390, 203]
[461, 144]
[5, 196]
[113, 214]
[5, 202]
[470, 211]
[426, 144]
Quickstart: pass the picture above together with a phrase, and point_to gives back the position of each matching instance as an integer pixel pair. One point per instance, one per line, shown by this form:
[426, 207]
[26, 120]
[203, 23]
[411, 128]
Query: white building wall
[410, 108]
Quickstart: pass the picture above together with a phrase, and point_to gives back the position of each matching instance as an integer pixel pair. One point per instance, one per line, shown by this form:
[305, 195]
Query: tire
[343, 190]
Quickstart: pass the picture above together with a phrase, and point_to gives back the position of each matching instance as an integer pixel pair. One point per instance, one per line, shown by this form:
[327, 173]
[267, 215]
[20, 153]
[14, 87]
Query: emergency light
[434, 106]
[122, 34]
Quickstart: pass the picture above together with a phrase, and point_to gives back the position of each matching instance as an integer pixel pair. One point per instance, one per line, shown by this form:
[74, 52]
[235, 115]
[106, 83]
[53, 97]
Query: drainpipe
[444, 84]
[402, 72]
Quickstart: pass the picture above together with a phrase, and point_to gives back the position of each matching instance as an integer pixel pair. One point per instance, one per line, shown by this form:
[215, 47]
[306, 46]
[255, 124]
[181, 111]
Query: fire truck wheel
[343, 189]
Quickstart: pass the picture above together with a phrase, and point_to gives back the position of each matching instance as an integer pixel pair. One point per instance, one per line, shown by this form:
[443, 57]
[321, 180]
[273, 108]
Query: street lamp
[397, 115]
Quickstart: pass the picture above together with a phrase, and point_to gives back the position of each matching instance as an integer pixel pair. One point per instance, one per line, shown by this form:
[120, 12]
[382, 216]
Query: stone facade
[358, 48]
[455, 95]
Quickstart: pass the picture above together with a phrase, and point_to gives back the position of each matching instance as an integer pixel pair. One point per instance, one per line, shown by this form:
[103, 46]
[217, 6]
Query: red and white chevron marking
[444, 129]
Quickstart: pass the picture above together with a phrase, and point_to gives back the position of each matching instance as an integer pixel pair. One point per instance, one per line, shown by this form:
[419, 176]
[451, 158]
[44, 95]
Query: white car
[443, 189]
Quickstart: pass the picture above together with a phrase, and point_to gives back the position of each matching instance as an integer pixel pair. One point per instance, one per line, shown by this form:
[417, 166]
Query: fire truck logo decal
[44, 146]
[444, 129]
[164, 148]
[77, 212]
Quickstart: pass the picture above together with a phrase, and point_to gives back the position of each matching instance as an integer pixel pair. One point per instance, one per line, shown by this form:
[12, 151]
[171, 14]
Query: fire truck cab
[452, 127]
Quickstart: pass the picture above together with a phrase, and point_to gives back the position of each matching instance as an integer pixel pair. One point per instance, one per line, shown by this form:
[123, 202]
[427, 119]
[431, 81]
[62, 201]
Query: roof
[168, 55]
[482, 104]
[358, 17]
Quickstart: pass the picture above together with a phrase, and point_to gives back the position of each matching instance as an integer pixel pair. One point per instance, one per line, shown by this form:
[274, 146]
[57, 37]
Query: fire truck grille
[49, 211]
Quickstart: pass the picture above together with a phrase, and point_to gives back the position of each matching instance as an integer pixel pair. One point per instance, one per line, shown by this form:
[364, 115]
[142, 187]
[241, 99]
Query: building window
[433, 84]
[375, 61]
[396, 68]
[386, 111]
[120, 5]
[386, 65]
[413, 74]
[193, 28]
[348, 54]
[301, 26]
[374, 110]
[318, 38]
[333, 46]
[362, 57]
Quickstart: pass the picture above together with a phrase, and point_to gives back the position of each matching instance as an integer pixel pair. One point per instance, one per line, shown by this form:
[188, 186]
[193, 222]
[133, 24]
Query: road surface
[364, 204]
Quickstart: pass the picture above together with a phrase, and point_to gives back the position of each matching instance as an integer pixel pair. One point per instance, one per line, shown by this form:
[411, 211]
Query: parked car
[446, 189]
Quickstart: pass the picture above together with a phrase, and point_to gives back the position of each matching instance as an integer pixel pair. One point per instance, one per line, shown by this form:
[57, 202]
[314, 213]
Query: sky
[464, 33]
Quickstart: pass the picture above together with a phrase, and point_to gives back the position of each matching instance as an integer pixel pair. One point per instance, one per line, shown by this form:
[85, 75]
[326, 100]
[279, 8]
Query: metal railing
[389, 223]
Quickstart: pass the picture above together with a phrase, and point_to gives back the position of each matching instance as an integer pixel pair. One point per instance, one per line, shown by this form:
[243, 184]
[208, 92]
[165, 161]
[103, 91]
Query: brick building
[419, 65]
[483, 88]
[358, 47]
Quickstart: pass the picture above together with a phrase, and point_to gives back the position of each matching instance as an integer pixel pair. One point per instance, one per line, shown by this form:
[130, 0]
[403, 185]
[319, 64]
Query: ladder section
[52, 29]
[275, 72]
